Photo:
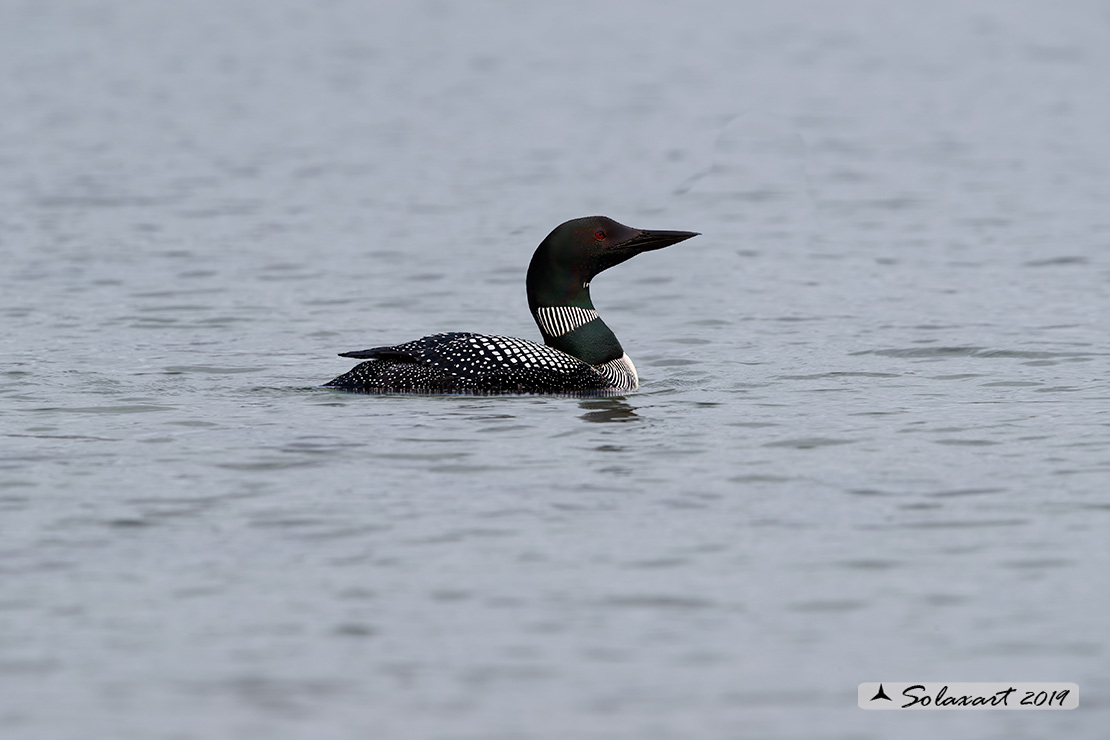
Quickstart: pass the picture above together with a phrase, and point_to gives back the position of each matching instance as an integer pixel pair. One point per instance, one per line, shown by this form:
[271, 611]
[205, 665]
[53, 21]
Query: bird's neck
[560, 304]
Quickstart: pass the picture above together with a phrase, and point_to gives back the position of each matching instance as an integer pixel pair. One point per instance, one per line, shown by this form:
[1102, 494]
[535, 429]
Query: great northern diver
[581, 356]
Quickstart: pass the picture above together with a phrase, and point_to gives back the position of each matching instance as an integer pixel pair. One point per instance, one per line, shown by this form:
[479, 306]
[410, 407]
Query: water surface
[871, 443]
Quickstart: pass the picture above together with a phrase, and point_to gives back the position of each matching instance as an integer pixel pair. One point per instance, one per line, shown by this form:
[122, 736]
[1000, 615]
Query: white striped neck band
[559, 320]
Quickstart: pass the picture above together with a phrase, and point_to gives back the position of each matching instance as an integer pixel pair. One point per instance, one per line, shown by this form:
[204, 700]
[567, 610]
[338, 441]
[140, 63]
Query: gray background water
[872, 441]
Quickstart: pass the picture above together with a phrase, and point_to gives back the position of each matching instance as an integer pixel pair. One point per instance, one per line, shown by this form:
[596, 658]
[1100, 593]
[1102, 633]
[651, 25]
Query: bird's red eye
[599, 235]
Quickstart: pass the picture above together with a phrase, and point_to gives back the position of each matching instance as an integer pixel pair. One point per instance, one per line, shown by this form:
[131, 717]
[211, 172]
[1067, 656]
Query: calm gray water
[872, 443]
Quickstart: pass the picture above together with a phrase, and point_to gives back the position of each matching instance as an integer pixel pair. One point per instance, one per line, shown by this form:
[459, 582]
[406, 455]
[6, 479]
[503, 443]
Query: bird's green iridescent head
[565, 263]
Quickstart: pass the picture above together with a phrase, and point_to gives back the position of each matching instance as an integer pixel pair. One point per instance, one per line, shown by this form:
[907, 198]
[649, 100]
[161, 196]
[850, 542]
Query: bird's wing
[381, 353]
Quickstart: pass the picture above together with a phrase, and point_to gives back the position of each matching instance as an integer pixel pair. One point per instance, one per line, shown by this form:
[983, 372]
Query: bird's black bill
[647, 240]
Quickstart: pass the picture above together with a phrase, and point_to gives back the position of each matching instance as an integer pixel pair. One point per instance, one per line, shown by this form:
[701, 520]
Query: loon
[580, 354]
